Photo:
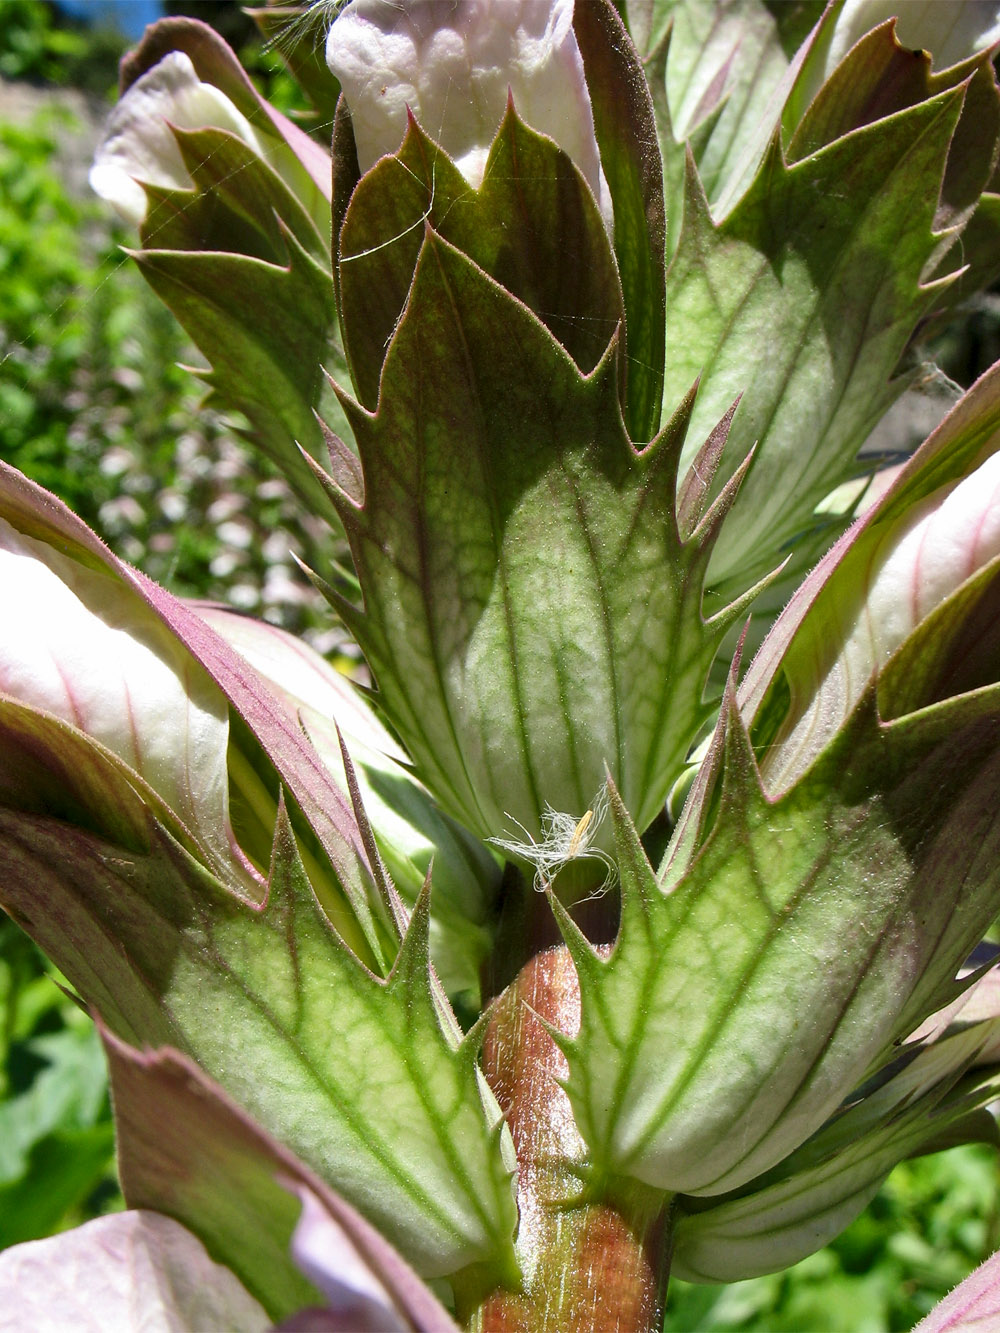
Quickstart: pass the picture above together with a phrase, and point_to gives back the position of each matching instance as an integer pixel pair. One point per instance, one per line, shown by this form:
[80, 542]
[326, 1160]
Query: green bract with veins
[237, 964]
[532, 599]
[574, 945]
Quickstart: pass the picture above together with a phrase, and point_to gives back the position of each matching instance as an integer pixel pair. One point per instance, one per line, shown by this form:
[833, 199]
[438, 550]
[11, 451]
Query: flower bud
[949, 32]
[909, 567]
[232, 202]
[81, 645]
[139, 147]
[453, 66]
[182, 76]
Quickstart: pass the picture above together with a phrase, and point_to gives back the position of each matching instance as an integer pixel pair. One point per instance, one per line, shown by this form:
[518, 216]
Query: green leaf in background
[56, 1139]
[62, 1171]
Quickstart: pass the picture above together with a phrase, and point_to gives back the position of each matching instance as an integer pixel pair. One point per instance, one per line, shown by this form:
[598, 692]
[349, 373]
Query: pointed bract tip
[582, 952]
[386, 889]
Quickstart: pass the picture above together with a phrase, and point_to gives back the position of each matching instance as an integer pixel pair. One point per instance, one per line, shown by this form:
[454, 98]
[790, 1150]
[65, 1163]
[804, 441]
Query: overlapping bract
[282, 984]
[234, 213]
[805, 252]
[811, 914]
[532, 609]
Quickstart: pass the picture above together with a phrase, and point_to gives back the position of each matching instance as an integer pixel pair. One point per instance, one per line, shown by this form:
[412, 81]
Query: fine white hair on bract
[564, 837]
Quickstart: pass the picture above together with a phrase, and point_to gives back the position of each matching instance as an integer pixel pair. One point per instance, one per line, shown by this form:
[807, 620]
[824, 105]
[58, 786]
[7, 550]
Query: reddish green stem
[589, 1267]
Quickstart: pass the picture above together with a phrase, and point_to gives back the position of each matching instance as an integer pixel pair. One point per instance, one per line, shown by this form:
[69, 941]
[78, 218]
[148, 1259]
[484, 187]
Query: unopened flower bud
[454, 65]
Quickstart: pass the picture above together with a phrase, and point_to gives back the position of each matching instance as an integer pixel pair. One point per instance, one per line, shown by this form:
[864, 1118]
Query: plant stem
[589, 1266]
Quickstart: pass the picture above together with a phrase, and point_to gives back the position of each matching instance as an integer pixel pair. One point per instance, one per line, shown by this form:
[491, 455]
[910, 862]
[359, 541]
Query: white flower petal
[329, 1258]
[80, 644]
[946, 539]
[453, 64]
[132, 1270]
[138, 145]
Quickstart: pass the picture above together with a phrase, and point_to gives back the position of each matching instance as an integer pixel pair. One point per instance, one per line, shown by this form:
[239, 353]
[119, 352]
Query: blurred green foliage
[94, 405]
[56, 1139]
[37, 44]
[933, 1221]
